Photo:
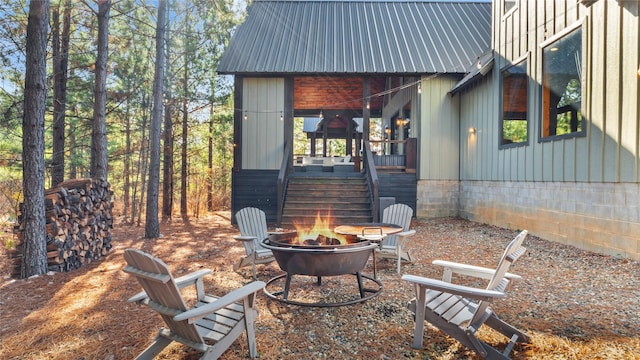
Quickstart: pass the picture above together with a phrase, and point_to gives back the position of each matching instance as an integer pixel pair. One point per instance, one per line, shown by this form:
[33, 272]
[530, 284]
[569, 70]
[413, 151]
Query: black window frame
[514, 65]
[544, 107]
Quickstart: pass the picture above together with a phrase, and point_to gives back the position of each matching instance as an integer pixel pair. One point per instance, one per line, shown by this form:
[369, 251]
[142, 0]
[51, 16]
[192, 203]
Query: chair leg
[159, 343]
[418, 331]
[506, 329]
[253, 265]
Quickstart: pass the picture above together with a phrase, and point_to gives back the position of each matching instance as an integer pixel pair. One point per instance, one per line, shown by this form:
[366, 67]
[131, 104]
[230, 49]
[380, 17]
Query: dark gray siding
[256, 188]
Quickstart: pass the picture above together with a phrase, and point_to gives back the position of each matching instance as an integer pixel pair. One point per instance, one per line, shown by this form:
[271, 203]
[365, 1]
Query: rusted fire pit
[320, 256]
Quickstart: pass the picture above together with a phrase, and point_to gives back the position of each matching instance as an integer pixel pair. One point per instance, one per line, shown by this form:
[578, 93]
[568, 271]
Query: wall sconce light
[281, 116]
[472, 130]
[245, 115]
[321, 116]
[387, 130]
[368, 104]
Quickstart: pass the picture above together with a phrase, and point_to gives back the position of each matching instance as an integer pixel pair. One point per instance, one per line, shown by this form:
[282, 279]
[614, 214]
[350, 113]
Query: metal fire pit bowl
[319, 261]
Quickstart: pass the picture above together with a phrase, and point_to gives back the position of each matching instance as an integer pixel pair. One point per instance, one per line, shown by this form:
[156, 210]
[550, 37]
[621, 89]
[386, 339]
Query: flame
[321, 227]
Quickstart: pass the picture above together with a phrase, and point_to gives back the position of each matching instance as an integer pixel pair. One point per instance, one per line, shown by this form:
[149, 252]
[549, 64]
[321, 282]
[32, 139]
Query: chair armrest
[191, 278]
[141, 296]
[465, 291]
[472, 270]
[182, 281]
[406, 233]
[244, 238]
[227, 299]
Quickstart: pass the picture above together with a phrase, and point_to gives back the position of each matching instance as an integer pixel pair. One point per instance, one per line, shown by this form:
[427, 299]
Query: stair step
[328, 197]
[324, 212]
[288, 221]
[345, 199]
[304, 205]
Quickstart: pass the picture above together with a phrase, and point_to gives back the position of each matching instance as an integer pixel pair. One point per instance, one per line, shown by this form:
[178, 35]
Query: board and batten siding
[438, 132]
[263, 128]
[610, 102]
[438, 148]
[582, 191]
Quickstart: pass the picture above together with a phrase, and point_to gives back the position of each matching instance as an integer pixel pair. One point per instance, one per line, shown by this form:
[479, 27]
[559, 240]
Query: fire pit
[320, 256]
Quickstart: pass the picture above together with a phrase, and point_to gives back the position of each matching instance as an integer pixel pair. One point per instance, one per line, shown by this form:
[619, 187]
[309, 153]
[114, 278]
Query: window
[508, 5]
[562, 86]
[515, 83]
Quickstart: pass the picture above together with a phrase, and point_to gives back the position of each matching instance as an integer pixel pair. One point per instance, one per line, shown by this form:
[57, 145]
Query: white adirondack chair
[210, 326]
[252, 224]
[459, 310]
[392, 247]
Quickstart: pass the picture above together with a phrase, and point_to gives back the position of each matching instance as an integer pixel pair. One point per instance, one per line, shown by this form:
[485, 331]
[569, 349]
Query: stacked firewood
[79, 223]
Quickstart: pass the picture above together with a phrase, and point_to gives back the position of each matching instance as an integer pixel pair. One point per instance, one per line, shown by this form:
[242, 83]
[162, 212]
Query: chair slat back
[511, 253]
[164, 296]
[396, 214]
[498, 281]
[252, 222]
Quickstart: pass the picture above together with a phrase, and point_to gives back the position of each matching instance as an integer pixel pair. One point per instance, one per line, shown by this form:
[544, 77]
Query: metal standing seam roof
[358, 37]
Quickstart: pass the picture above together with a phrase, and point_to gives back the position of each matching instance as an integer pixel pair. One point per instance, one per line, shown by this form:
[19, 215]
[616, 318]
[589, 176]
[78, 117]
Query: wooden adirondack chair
[210, 326]
[460, 311]
[252, 224]
[392, 247]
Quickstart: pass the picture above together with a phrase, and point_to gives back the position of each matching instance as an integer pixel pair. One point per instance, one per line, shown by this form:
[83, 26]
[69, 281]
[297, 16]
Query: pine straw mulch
[574, 304]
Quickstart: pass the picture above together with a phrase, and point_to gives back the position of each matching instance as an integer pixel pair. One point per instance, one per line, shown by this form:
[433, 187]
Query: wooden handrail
[287, 158]
[372, 177]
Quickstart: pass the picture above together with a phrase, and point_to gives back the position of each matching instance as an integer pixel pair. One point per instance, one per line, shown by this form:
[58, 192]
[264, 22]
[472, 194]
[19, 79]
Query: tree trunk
[167, 182]
[99, 132]
[152, 226]
[210, 159]
[35, 96]
[127, 161]
[141, 168]
[167, 188]
[60, 75]
[183, 170]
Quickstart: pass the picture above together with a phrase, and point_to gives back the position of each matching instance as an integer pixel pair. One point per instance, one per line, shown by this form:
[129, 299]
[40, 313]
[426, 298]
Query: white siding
[262, 131]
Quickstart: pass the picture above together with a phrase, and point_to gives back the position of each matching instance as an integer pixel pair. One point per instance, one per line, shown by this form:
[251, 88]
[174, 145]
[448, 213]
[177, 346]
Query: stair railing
[283, 175]
[372, 178]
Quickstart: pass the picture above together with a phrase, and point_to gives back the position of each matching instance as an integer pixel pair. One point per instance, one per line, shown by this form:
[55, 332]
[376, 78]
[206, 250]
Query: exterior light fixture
[472, 130]
[420, 87]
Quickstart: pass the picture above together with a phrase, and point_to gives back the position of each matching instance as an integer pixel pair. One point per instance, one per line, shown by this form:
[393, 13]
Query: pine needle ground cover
[575, 304]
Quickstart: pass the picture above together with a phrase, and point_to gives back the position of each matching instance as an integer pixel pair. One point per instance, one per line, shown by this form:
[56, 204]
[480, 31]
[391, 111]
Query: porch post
[288, 118]
[237, 123]
[366, 112]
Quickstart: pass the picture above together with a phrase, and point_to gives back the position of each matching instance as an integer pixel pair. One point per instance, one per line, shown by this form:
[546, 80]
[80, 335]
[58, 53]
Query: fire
[321, 229]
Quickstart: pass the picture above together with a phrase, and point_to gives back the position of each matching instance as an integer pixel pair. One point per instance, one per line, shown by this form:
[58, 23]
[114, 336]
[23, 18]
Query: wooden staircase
[347, 198]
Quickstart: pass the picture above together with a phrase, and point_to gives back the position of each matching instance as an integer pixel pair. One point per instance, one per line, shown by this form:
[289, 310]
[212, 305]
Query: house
[522, 114]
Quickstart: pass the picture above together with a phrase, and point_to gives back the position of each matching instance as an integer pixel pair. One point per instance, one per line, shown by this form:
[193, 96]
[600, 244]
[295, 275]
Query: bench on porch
[326, 164]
